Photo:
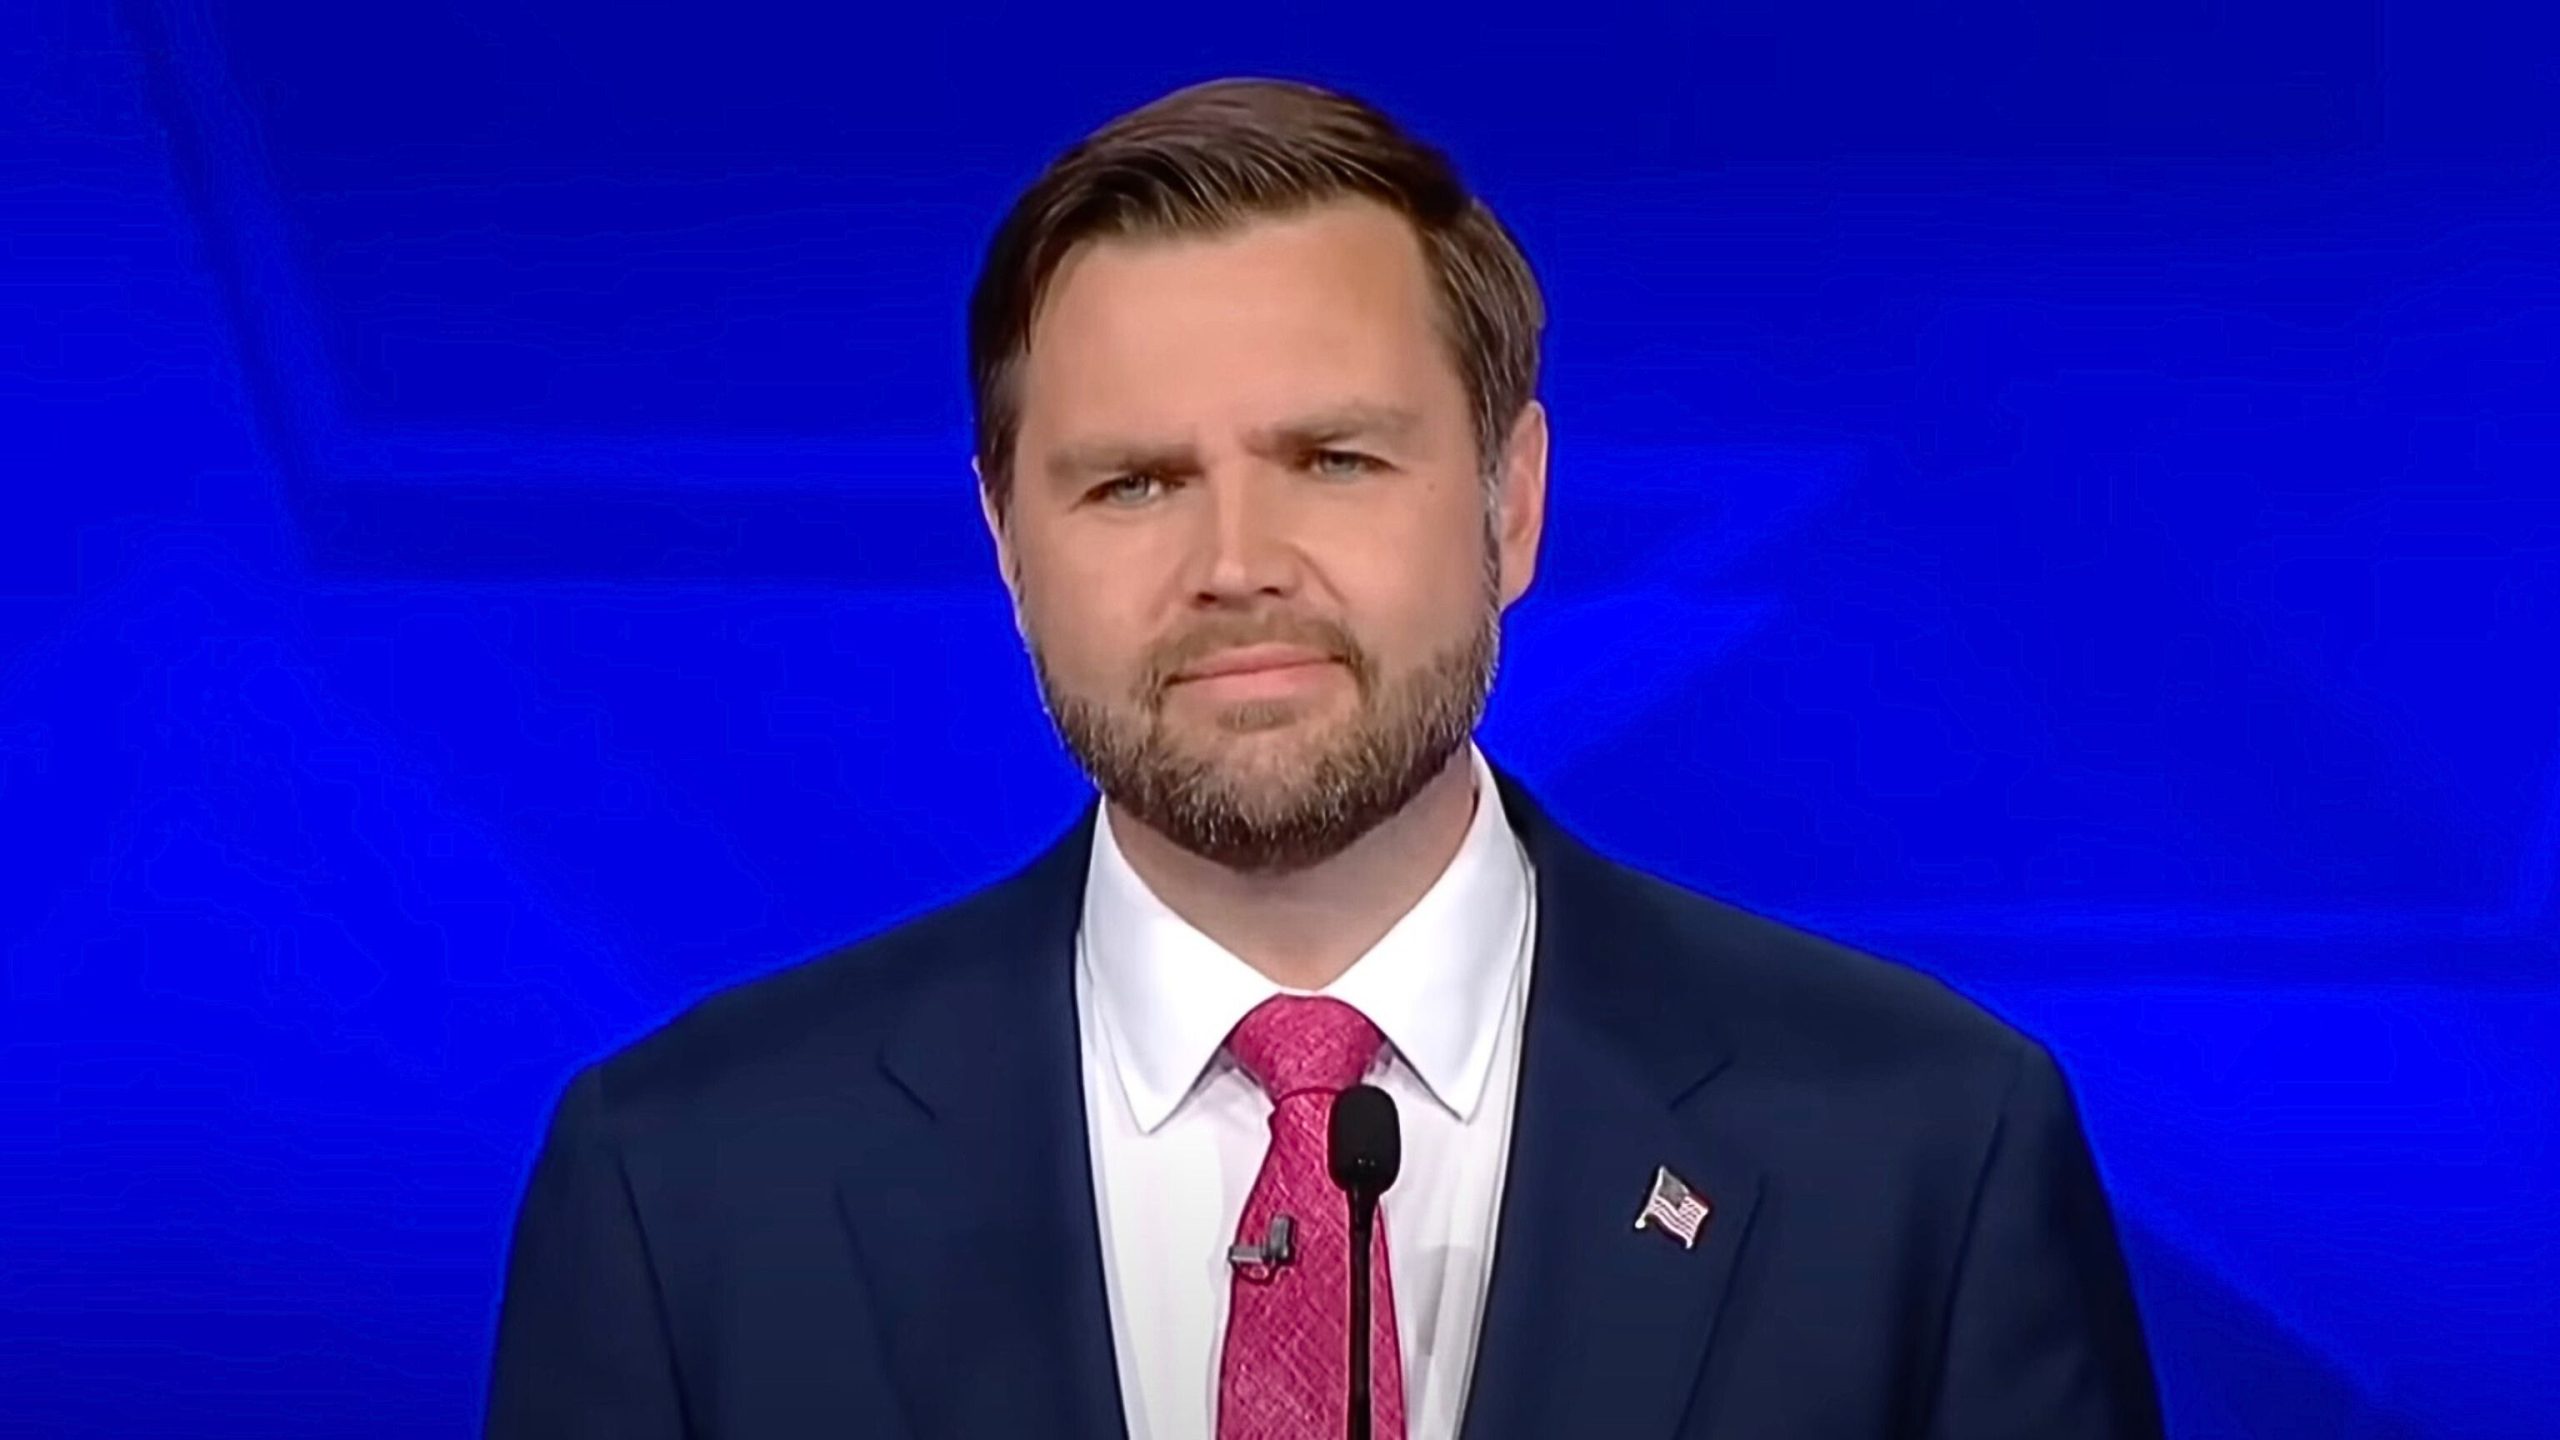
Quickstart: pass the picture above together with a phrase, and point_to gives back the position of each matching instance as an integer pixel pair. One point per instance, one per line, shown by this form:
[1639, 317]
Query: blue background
[2065, 495]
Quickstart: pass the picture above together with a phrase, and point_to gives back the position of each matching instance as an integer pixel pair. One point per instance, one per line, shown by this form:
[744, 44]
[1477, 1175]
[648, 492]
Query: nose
[1248, 550]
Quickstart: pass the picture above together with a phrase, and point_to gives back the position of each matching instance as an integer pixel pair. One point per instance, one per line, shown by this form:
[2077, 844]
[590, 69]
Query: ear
[1520, 497]
[999, 527]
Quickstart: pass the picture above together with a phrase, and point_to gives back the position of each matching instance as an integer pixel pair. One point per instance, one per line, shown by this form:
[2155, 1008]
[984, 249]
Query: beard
[1273, 813]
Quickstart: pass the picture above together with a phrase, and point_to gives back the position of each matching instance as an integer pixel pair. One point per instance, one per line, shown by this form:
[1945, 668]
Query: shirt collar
[1435, 984]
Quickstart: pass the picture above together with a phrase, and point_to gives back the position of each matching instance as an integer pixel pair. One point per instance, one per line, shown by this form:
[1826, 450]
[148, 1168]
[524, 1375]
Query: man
[1260, 452]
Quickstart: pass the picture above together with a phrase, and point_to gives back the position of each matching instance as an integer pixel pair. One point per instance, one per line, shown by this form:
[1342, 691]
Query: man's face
[1250, 539]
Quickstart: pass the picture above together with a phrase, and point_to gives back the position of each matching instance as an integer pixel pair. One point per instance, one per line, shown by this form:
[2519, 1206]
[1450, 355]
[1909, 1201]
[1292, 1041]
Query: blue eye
[1126, 490]
[1341, 463]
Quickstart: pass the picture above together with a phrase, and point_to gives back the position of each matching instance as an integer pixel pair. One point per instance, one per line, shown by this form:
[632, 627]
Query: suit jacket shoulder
[1782, 1005]
[780, 1039]
[1794, 996]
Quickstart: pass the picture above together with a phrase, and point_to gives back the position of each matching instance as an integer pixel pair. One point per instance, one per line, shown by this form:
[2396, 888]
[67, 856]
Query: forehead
[1322, 306]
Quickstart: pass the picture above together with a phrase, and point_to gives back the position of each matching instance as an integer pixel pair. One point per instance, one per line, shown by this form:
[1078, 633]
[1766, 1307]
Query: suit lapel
[970, 1198]
[969, 1194]
[1591, 1325]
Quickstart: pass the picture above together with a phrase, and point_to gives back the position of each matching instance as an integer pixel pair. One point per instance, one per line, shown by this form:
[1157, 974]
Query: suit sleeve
[582, 1348]
[2042, 1336]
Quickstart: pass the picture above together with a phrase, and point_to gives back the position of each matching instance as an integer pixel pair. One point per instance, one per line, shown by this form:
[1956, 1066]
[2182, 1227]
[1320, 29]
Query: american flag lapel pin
[1674, 1209]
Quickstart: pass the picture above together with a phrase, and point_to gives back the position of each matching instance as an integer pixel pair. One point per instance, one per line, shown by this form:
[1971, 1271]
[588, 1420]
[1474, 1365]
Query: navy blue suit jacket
[853, 1199]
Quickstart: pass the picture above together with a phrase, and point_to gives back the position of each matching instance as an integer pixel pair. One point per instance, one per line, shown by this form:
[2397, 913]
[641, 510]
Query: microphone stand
[1363, 1150]
[1364, 1224]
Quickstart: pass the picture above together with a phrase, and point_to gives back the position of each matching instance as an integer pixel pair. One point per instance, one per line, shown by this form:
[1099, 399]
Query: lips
[1252, 660]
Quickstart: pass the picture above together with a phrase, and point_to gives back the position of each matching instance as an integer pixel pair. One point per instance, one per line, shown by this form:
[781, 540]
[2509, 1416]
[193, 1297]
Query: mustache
[1180, 652]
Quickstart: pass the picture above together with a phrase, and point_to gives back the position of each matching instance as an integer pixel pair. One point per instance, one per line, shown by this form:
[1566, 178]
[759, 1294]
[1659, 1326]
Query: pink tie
[1285, 1373]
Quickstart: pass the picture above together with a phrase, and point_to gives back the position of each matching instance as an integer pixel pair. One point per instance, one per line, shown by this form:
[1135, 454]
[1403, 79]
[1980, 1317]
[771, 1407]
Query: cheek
[1422, 575]
[1089, 626]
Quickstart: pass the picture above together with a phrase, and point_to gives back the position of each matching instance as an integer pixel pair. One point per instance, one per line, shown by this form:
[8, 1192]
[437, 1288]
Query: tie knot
[1293, 1043]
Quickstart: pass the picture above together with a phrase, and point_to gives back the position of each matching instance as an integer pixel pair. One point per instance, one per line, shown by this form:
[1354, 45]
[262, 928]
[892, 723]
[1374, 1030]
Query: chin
[1258, 736]
[1269, 760]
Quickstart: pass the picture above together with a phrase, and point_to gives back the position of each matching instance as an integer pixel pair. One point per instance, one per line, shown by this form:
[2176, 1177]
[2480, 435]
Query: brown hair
[1206, 158]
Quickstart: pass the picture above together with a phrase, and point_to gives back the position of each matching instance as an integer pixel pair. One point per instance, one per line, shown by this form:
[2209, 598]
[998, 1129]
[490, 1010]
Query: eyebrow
[1358, 420]
[1332, 425]
[1087, 459]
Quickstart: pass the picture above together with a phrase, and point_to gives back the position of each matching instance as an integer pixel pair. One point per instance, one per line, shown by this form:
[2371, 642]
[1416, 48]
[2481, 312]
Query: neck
[1305, 928]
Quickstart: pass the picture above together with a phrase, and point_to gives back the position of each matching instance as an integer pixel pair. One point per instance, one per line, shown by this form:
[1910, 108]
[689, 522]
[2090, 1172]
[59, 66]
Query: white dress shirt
[1178, 1131]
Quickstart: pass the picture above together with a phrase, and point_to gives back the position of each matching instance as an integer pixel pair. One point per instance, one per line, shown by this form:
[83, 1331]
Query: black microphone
[1365, 1150]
